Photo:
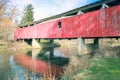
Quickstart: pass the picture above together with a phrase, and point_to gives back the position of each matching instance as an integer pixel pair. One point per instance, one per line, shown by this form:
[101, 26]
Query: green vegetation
[44, 41]
[104, 69]
[2, 47]
[101, 69]
[2, 44]
[28, 14]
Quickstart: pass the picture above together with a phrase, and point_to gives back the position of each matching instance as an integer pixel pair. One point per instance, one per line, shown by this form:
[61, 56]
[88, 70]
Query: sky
[46, 8]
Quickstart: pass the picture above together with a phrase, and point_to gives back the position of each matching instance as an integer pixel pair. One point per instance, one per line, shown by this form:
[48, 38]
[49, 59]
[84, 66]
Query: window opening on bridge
[59, 24]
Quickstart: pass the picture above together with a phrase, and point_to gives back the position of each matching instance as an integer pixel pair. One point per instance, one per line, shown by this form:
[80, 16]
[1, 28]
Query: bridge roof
[87, 8]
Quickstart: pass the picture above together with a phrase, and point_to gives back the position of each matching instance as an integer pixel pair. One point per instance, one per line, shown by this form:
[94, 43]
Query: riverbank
[11, 45]
[102, 64]
[83, 66]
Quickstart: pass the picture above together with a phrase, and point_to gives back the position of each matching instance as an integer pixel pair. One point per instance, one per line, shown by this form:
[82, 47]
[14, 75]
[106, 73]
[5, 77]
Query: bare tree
[3, 3]
[7, 15]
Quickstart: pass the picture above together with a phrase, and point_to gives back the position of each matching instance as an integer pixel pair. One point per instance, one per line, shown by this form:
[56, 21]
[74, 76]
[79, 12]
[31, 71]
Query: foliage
[7, 14]
[2, 8]
[28, 14]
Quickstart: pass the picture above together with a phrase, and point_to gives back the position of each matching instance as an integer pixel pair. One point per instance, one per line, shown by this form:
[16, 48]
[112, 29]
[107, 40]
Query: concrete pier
[35, 44]
[85, 48]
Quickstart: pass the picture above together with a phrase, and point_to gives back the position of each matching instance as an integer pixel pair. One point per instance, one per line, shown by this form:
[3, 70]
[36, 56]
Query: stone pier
[85, 48]
[35, 44]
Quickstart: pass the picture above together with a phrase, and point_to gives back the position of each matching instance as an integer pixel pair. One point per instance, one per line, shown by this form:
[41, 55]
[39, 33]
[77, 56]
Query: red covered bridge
[97, 20]
[102, 22]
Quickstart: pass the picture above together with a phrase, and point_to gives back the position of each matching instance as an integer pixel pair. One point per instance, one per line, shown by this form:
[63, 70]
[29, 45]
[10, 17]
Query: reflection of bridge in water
[51, 55]
[43, 61]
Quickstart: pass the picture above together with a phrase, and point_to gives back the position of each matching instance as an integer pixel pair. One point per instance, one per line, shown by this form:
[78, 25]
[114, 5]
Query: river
[36, 63]
[31, 64]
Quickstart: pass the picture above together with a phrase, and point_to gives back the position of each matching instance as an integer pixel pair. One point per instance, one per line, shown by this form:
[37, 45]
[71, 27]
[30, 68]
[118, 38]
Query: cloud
[53, 7]
[45, 8]
[44, 11]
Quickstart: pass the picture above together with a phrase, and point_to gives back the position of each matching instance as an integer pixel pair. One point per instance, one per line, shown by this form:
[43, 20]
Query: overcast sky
[45, 8]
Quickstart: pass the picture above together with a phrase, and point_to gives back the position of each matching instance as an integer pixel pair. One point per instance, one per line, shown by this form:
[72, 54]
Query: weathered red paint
[100, 23]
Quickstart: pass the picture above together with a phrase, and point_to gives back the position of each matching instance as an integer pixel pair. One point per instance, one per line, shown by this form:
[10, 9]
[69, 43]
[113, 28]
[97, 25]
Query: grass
[103, 69]
[74, 68]
[2, 44]
[2, 47]
[103, 66]
[44, 41]
[97, 69]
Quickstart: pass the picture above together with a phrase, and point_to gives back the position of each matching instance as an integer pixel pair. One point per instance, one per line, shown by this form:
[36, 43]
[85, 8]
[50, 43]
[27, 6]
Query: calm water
[32, 64]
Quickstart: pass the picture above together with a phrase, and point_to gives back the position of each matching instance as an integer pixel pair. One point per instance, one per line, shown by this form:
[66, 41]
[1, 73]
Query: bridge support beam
[52, 42]
[85, 48]
[81, 45]
[35, 52]
[96, 43]
[35, 44]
